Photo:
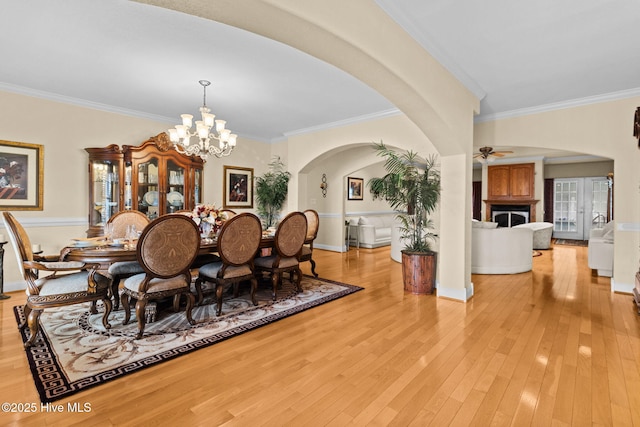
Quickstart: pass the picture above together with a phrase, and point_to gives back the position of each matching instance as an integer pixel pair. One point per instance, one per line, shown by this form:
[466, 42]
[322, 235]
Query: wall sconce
[324, 185]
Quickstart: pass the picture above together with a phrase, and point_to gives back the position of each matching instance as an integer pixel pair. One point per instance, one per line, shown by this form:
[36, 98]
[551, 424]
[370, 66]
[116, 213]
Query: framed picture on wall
[21, 176]
[238, 187]
[355, 188]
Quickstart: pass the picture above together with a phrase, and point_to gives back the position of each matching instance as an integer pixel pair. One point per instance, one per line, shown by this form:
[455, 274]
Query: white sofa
[601, 250]
[542, 232]
[501, 250]
[374, 230]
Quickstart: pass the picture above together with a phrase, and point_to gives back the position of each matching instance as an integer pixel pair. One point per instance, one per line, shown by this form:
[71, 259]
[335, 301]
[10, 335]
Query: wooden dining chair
[65, 283]
[238, 244]
[313, 222]
[121, 270]
[166, 249]
[229, 213]
[289, 238]
[122, 219]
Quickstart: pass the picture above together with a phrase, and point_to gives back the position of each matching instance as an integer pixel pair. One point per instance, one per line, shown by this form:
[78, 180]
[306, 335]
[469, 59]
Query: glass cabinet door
[175, 187]
[197, 187]
[106, 201]
[148, 192]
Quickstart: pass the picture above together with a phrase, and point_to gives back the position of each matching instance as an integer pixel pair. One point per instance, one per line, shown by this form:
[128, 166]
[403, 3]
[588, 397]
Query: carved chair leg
[313, 267]
[298, 279]
[199, 290]
[219, 291]
[115, 294]
[33, 320]
[26, 310]
[140, 306]
[274, 280]
[93, 309]
[190, 303]
[107, 311]
[176, 303]
[124, 298]
[254, 287]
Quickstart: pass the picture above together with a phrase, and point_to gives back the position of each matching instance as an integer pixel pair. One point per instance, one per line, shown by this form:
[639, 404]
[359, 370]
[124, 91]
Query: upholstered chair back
[239, 239]
[313, 221]
[168, 246]
[291, 234]
[122, 219]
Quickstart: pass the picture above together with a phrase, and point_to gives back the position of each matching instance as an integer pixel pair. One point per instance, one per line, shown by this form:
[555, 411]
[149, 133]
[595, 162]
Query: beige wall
[602, 129]
[65, 130]
[575, 170]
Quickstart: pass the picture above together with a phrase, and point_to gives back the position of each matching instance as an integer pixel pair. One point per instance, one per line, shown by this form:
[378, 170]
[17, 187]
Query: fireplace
[510, 212]
[510, 215]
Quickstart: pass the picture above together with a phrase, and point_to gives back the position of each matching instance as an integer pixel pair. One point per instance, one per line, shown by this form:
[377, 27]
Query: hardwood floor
[549, 347]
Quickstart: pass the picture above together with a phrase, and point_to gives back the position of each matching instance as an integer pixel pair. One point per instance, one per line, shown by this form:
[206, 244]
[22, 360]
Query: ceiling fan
[485, 152]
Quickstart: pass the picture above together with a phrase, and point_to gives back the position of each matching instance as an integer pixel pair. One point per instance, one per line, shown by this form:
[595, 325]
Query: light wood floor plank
[550, 347]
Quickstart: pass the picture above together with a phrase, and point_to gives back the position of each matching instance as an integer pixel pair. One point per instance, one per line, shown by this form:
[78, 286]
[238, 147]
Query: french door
[579, 205]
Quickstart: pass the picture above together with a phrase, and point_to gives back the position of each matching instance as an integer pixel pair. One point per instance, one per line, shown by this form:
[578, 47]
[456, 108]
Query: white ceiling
[137, 59]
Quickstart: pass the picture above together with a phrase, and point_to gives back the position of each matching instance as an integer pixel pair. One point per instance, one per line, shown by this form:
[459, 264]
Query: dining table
[106, 253]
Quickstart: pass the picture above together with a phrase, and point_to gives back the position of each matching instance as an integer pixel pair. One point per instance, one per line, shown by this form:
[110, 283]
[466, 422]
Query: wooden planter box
[419, 272]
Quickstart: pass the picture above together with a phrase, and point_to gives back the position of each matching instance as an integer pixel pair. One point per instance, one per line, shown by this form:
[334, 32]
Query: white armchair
[601, 250]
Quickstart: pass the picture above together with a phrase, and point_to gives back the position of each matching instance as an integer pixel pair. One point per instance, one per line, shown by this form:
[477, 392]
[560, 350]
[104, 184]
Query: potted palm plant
[271, 192]
[411, 187]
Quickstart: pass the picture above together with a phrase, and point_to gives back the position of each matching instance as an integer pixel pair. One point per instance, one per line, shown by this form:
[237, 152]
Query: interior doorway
[579, 205]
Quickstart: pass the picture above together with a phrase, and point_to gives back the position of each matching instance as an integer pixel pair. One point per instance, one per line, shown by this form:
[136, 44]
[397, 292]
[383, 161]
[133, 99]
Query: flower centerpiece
[209, 219]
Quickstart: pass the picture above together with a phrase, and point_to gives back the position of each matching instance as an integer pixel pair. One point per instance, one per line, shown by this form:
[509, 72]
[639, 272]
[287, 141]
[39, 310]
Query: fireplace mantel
[519, 202]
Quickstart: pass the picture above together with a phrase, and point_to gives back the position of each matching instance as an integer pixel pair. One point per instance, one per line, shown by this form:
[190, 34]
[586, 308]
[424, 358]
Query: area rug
[571, 242]
[73, 352]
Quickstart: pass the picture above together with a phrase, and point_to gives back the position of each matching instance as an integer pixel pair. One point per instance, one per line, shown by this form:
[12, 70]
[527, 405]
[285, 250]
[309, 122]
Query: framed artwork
[238, 187]
[21, 176]
[355, 188]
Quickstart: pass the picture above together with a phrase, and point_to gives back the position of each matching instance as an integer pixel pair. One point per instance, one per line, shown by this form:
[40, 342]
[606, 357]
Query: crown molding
[21, 90]
[572, 103]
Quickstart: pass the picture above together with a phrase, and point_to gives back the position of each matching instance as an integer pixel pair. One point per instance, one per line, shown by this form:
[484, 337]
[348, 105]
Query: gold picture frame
[21, 176]
[238, 187]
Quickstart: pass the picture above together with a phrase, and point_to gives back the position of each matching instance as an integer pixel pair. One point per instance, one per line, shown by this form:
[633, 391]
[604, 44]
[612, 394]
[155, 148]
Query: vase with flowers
[209, 219]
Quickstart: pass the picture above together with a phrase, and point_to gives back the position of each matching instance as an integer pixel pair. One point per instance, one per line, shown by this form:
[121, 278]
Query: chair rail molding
[52, 222]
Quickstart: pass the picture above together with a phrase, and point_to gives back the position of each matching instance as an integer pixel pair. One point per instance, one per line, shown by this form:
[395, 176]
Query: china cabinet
[152, 178]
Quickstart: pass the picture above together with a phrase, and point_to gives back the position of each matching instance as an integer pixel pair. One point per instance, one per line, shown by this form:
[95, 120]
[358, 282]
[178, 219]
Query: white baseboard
[625, 288]
[455, 293]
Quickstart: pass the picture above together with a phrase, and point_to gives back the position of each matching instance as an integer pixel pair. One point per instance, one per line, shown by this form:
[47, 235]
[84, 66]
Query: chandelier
[204, 144]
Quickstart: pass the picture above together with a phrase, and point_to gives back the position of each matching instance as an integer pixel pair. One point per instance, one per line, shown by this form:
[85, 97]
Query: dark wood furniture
[152, 178]
[511, 185]
[290, 236]
[65, 283]
[313, 223]
[166, 249]
[510, 182]
[238, 244]
[120, 270]
[105, 255]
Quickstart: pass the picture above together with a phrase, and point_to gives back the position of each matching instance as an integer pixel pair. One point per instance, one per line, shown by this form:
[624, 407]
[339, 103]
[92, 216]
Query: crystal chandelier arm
[204, 131]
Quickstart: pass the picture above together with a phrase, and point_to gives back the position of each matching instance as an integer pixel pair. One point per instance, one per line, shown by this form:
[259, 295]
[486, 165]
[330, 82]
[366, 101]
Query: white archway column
[360, 38]
[454, 259]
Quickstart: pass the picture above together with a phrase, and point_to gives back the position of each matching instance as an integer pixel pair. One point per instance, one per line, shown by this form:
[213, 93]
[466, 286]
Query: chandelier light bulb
[181, 135]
